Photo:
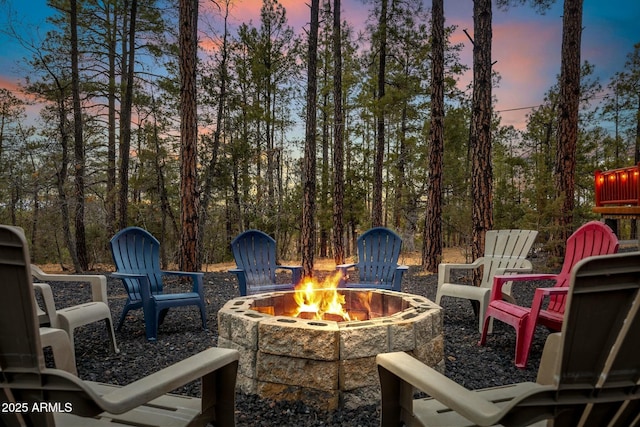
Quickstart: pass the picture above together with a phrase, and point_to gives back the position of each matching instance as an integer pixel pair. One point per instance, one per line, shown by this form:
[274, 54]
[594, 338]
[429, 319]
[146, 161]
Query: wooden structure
[618, 193]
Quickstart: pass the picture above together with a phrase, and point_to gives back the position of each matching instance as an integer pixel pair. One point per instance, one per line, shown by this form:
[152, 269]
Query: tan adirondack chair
[505, 251]
[69, 318]
[25, 380]
[588, 376]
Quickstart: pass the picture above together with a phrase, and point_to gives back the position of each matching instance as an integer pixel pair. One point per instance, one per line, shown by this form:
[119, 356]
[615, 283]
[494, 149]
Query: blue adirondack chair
[378, 253]
[136, 254]
[255, 256]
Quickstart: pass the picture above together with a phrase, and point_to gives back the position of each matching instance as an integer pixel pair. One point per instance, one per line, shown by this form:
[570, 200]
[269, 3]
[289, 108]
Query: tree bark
[110, 202]
[188, 42]
[79, 154]
[432, 242]
[128, 55]
[338, 135]
[209, 173]
[481, 169]
[376, 214]
[568, 118]
[309, 184]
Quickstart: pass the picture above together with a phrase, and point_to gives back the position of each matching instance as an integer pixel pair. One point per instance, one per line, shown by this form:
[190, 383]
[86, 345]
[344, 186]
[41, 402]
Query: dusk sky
[526, 45]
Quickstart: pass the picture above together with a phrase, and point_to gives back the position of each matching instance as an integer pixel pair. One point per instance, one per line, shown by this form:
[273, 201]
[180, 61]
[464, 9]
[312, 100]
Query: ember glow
[320, 300]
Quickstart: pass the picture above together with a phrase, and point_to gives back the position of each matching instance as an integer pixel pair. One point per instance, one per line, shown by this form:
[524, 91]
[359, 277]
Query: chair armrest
[500, 280]
[344, 276]
[49, 304]
[168, 379]
[444, 269]
[400, 367]
[98, 282]
[214, 364]
[345, 266]
[296, 272]
[196, 276]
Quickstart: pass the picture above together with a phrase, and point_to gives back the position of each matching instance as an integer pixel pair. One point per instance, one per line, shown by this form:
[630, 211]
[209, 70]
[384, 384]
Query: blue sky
[526, 45]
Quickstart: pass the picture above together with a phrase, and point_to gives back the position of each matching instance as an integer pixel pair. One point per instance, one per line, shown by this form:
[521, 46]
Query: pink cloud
[528, 59]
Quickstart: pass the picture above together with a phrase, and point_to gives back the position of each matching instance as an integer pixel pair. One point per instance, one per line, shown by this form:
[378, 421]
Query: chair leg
[162, 315]
[484, 303]
[125, 310]
[109, 325]
[524, 337]
[203, 316]
[485, 330]
[63, 352]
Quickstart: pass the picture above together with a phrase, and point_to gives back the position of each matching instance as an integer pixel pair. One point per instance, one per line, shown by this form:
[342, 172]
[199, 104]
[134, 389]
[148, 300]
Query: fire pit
[327, 362]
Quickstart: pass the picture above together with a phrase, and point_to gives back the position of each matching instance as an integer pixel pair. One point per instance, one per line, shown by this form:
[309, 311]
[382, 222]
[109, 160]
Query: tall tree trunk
[210, 171]
[376, 213]
[79, 160]
[188, 136]
[309, 184]
[481, 170]
[61, 178]
[432, 242]
[338, 135]
[399, 208]
[325, 227]
[568, 119]
[112, 16]
[125, 114]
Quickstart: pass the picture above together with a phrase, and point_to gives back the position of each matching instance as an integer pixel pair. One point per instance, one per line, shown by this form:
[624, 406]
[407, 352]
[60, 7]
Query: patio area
[180, 335]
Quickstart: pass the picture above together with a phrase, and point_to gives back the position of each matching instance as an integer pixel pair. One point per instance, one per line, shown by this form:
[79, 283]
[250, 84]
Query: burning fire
[316, 301]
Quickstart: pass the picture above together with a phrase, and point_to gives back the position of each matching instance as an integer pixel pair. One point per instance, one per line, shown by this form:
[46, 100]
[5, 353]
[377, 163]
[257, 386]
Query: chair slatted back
[591, 239]
[19, 327]
[506, 249]
[255, 252]
[378, 252]
[136, 251]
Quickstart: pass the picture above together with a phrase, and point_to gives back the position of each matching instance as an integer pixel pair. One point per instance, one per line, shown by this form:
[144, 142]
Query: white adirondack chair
[505, 252]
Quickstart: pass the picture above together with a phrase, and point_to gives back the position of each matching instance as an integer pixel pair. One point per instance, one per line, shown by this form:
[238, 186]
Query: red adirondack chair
[593, 238]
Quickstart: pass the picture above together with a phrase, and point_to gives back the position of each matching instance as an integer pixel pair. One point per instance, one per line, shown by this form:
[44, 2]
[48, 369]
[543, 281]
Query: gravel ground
[180, 336]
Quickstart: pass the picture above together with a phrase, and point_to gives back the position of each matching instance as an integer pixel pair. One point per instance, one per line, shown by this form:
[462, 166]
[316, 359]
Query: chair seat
[177, 296]
[432, 413]
[269, 287]
[169, 410]
[498, 307]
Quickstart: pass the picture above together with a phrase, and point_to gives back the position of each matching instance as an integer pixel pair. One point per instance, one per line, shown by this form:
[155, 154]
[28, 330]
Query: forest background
[251, 119]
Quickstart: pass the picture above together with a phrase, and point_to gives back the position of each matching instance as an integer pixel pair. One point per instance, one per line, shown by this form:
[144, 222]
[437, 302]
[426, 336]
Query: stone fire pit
[326, 363]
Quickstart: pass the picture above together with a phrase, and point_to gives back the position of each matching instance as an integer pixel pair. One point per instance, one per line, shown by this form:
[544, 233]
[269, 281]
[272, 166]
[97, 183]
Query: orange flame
[316, 299]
